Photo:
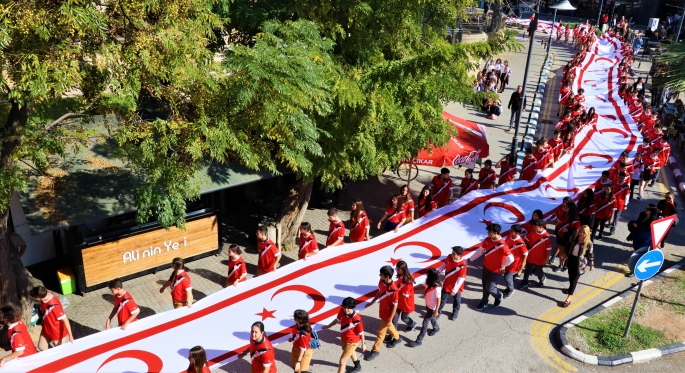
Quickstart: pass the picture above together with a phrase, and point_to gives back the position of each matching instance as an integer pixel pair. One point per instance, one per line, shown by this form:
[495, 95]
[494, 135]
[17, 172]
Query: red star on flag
[393, 261]
[552, 198]
[265, 314]
[486, 222]
[588, 167]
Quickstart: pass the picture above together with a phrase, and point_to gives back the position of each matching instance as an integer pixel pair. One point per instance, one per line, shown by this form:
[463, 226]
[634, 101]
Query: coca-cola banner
[465, 147]
[221, 321]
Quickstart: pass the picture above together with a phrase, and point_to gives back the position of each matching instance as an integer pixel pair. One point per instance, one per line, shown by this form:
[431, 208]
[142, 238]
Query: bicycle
[407, 171]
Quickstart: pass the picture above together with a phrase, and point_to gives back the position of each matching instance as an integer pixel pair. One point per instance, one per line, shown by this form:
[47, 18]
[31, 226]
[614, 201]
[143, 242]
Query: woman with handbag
[579, 253]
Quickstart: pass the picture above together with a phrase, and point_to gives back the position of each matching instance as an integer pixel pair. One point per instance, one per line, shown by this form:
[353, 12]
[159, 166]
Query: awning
[94, 184]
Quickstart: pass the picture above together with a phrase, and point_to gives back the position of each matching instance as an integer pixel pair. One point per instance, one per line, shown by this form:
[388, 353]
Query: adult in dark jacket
[515, 105]
[579, 254]
[641, 235]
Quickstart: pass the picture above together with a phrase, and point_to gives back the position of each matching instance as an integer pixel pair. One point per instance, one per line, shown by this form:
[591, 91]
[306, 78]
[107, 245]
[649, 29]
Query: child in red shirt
[487, 176]
[497, 257]
[621, 193]
[261, 350]
[442, 187]
[307, 244]
[388, 296]
[405, 301]
[454, 267]
[407, 204]
[539, 246]
[508, 169]
[518, 249]
[359, 223]
[179, 282]
[17, 334]
[426, 203]
[468, 183]
[336, 229]
[269, 254]
[606, 204]
[394, 213]
[125, 308]
[301, 353]
[351, 333]
[237, 270]
[528, 169]
[56, 326]
[197, 360]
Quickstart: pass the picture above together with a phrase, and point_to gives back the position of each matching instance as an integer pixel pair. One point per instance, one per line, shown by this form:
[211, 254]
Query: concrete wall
[40, 247]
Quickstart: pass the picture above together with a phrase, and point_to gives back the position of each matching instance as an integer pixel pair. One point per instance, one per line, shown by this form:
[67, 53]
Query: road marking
[542, 327]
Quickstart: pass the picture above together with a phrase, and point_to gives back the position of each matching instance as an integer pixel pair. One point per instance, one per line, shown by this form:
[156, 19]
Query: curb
[534, 114]
[677, 175]
[633, 357]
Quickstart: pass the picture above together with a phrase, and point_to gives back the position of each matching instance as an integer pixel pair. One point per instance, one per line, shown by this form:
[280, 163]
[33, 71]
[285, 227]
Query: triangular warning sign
[660, 228]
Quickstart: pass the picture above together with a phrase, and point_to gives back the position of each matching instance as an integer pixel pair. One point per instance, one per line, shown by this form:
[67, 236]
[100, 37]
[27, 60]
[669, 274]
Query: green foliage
[603, 332]
[326, 89]
[675, 75]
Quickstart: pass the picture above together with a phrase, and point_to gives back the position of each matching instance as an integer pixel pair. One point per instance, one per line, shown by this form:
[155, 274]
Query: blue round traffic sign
[649, 264]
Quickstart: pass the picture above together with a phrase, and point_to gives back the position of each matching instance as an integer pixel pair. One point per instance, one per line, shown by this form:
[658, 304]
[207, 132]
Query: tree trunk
[496, 21]
[292, 212]
[15, 280]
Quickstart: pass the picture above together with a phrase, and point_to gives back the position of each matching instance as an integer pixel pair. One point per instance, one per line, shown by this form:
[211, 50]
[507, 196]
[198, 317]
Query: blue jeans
[456, 302]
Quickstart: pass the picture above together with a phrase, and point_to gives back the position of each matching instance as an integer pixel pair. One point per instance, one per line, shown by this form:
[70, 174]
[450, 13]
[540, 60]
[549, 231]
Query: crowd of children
[524, 250]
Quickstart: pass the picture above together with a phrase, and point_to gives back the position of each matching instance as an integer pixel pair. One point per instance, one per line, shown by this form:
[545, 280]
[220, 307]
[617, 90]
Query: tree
[397, 71]
[496, 21]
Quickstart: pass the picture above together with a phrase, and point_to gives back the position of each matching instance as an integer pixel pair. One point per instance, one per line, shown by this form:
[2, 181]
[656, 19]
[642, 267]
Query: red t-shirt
[543, 159]
[181, 287]
[301, 338]
[236, 268]
[387, 300]
[507, 172]
[468, 185]
[566, 224]
[455, 275]
[405, 301]
[518, 250]
[336, 232]
[262, 354]
[307, 245]
[600, 184]
[268, 252]
[423, 210]
[20, 339]
[487, 176]
[556, 146]
[528, 169]
[441, 190]
[359, 228]
[395, 215]
[408, 207]
[621, 193]
[351, 327]
[496, 252]
[125, 306]
[605, 206]
[539, 246]
[53, 314]
[652, 163]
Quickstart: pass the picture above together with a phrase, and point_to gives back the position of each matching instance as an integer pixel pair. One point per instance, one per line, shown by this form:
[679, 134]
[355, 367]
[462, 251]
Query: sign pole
[632, 311]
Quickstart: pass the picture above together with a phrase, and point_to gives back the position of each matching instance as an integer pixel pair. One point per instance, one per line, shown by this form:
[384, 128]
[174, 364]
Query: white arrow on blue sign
[649, 264]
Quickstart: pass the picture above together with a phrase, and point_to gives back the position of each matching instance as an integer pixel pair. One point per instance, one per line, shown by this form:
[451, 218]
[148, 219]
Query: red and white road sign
[660, 228]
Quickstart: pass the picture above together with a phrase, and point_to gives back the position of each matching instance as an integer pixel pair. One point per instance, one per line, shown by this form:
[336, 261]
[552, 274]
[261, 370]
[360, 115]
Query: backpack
[314, 343]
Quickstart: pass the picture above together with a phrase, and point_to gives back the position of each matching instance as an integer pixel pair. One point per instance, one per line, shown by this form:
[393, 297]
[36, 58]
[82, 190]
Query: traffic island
[596, 337]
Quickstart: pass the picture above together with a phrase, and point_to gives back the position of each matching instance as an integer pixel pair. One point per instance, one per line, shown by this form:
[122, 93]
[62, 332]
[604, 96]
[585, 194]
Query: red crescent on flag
[317, 297]
[604, 58]
[519, 215]
[598, 155]
[616, 130]
[153, 362]
[600, 98]
[572, 190]
[435, 251]
[608, 116]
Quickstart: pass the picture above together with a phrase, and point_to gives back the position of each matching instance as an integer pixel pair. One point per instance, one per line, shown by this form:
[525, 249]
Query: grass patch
[603, 334]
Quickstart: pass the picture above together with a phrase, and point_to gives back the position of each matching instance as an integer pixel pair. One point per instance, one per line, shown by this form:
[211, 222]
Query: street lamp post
[562, 5]
[533, 27]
